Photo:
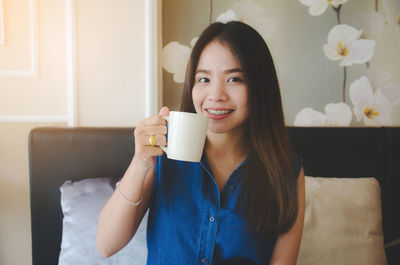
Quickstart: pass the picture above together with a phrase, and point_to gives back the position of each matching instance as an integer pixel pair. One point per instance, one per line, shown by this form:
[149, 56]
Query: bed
[57, 155]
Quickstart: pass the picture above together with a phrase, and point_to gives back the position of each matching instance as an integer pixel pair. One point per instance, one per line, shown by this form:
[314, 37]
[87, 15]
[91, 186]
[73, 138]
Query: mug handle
[165, 148]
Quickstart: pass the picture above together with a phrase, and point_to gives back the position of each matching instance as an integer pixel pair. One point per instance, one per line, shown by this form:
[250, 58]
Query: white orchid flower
[336, 114]
[371, 107]
[251, 14]
[227, 16]
[174, 59]
[309, 117]
[382, 81]
[193, 41]
[392, 10]
[344, 44]
[318, 7]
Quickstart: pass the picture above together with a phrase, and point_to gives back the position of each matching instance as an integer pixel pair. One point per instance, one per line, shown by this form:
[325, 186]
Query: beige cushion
[343, 223]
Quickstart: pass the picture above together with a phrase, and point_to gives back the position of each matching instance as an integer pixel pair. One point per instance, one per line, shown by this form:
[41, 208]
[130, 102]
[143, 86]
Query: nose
[217, 92]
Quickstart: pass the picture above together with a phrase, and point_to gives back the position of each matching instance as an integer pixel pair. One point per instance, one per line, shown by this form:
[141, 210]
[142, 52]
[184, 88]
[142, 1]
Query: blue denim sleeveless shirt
[191, 222]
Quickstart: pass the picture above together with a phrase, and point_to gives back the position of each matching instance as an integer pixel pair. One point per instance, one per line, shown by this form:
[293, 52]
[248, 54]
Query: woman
[244, 202]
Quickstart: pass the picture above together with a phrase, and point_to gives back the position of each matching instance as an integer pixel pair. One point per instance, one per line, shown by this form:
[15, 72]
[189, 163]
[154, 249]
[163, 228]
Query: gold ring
[152, 140]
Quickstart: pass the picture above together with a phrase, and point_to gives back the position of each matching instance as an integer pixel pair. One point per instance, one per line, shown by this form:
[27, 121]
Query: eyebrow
[227, 71]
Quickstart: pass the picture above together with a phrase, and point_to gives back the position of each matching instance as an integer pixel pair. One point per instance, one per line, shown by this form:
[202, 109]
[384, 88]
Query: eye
[203, 80]
[235, 79]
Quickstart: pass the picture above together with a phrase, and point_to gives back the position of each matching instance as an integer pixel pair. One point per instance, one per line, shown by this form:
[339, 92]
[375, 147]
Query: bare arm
[119, 220]
[288, 244]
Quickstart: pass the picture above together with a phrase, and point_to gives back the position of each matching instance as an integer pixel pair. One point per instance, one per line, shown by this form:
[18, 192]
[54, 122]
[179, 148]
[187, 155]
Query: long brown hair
[269, 192]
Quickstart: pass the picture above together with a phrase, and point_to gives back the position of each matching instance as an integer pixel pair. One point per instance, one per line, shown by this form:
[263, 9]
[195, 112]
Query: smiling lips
[218, 114]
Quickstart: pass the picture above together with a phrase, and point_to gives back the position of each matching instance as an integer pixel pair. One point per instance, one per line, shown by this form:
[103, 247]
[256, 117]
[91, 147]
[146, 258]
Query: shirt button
[204, 260]
[230, 187]
[211, 219]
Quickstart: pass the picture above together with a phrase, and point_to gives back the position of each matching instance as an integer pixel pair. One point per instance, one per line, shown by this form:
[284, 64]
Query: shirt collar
[204, 163]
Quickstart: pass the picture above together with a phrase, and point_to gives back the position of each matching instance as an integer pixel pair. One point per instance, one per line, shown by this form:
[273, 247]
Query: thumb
[164, 111]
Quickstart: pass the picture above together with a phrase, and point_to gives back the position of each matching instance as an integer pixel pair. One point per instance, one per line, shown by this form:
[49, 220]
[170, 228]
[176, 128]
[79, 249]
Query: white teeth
[218, 112]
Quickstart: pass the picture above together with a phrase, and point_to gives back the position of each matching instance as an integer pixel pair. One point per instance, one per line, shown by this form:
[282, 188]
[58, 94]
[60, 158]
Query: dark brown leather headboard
[60, 154]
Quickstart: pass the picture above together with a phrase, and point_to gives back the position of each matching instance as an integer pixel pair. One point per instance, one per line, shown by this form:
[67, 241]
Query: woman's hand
[145, 153]
[119, 220]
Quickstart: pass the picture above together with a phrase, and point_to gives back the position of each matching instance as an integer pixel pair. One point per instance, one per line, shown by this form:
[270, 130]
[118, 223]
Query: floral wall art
[338, 61]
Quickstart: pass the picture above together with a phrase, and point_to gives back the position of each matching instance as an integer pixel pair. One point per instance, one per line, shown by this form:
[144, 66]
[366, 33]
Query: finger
[154, 120]
[150, 151]
[161, 140]
[150, 130]
[154, 151]
[164, 111]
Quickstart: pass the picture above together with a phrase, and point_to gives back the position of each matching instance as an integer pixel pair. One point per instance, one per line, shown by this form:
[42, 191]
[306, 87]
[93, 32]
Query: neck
[232, 145]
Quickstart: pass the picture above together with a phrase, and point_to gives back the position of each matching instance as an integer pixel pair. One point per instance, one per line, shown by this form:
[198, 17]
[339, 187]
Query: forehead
[217, 55]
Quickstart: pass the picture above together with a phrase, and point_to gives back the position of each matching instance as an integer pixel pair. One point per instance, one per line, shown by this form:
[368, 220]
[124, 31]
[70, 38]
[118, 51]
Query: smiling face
[220, 89]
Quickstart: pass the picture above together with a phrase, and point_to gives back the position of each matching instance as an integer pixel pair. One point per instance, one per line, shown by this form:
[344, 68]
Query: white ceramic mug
[186, 136]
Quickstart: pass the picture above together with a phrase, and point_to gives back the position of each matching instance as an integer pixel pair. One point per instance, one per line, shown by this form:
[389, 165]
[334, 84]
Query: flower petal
[246, 9]
[338, 114]
[336, 3]
[252, 14]
[179, 77]
[381, 110]
[344, 33]
[307, 2]
[174, 58]
[193, 41]
[346, 61]
[318, 7]
[331, 52]
[309, 117]
[381, 80]
[361, 92]
[359, 112]
[227, 16]
[371, 122]
[361, 51]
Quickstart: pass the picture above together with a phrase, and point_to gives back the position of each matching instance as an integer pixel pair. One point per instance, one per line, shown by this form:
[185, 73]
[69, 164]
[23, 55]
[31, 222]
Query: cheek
[197, 98]
[245, 98]
[242, 97]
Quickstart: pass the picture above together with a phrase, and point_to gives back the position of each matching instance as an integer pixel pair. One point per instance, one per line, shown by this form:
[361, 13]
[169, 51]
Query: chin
[218, 128]
[231, 127]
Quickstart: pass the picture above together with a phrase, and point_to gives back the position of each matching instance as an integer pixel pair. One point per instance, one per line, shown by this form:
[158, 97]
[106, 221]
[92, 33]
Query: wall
[109, 82]
[307, 77]
[110, 52]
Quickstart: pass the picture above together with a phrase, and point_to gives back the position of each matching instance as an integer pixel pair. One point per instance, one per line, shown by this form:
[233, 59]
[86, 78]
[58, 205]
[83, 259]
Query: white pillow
[81, 202]
[343, 223]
